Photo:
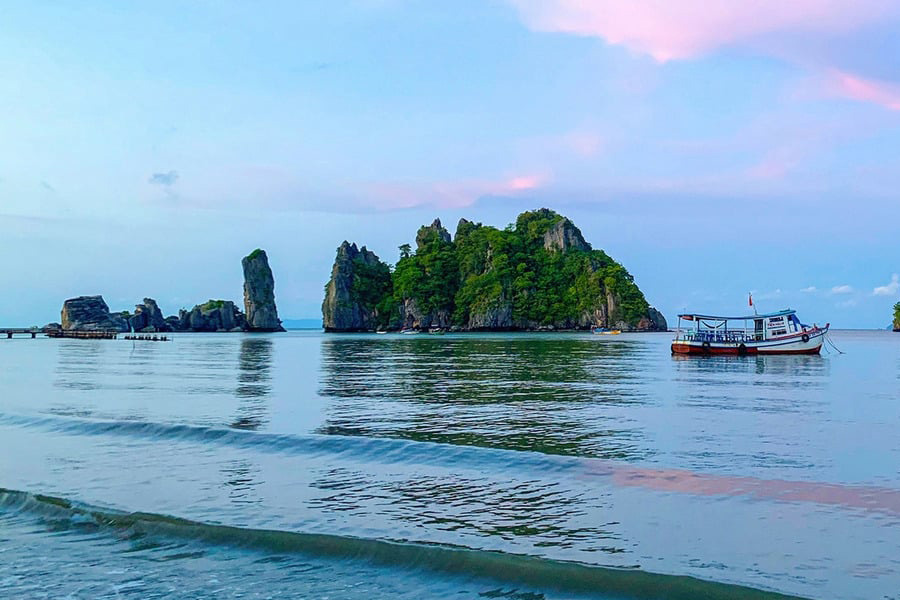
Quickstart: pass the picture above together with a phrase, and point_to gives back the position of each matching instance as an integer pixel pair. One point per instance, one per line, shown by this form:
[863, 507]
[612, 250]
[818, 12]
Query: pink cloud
[450, 194]
[854, 87]
[668, 30]
[525, 182]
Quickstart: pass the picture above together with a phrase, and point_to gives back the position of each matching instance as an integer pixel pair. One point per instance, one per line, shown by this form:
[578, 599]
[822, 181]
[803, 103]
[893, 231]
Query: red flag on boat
[751, 299]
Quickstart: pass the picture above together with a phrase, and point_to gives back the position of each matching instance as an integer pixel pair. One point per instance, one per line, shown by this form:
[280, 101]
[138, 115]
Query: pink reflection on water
[867, 498]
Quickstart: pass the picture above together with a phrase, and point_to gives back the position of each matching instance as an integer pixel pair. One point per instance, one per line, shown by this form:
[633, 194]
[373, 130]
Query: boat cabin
[754, 328]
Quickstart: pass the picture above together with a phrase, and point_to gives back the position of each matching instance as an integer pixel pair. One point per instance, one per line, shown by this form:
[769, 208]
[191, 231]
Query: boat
[773, 333]
[605, 331]
[409, 331]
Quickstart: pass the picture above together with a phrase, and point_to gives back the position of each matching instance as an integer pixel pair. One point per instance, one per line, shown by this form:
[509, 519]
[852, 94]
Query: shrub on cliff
[430, 277]
[372, 286]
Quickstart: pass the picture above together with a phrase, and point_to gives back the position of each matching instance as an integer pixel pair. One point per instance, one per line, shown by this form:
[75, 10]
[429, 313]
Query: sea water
[457, 466]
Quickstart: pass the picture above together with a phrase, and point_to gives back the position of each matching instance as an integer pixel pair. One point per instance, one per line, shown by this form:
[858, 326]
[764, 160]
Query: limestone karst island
[91, 313]
[538, 274]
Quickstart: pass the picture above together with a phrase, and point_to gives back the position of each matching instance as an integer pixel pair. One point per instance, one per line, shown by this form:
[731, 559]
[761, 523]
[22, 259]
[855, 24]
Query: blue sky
[712, 147]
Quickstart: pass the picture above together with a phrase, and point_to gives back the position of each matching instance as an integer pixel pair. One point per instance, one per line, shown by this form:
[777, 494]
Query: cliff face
[657, 320]
[539, 274]
[359, 281]
[433, 232]
[87, 313]
[563, 236]
[148, 317]
[213, 315]
[259, 293]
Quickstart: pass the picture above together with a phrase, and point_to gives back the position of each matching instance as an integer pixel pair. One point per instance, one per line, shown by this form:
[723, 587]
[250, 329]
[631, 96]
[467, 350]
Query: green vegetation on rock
[372, 286]
[897, 317]
[212, 305]
[430, 276]
[536, 273]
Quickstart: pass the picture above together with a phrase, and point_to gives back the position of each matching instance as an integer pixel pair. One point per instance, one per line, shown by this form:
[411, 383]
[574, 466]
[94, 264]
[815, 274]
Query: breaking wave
[534, 572]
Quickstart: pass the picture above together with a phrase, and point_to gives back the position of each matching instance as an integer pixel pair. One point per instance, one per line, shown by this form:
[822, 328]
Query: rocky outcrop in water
[259, 293]
[90, 313]
[538, 274]
[148, 318]
[657, 322]
[214, 315]
[359, 281]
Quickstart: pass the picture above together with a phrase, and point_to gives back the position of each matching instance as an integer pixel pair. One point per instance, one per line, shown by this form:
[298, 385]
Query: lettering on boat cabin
[775, 322]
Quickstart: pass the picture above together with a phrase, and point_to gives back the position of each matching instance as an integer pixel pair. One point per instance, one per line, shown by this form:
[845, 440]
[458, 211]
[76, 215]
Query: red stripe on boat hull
[733, 350]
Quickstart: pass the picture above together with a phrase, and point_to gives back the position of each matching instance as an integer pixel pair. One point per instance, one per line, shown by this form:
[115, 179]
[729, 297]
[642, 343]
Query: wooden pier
[9, 333]
[100, 334]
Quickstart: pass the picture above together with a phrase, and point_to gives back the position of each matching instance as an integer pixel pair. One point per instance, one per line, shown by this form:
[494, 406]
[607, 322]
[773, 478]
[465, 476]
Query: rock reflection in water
[566, 395]
[254, 382]
[240, 481]
[77, 364]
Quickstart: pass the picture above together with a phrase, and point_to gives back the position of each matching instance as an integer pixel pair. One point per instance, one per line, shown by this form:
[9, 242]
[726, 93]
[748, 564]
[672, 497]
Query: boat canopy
[693, 317]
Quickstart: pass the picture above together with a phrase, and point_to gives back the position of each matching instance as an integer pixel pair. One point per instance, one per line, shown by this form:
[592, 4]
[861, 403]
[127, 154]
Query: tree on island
[897, 317]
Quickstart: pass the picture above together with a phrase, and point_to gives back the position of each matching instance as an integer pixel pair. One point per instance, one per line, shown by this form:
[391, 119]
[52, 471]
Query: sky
[715, 148]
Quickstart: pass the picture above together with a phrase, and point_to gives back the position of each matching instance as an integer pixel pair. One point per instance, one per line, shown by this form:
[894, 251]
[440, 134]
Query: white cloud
[890, 289]
[810, 290]
[842, 289]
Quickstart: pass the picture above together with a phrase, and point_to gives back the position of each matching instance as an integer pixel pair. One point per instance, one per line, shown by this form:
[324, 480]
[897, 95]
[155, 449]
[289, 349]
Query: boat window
[779, 332]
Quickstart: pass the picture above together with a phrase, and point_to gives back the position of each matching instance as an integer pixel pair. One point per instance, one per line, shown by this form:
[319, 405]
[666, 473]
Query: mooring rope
[828, 339]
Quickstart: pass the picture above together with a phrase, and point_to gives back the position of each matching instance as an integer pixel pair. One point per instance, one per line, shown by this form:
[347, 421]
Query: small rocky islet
[538, 274]
[91, 313]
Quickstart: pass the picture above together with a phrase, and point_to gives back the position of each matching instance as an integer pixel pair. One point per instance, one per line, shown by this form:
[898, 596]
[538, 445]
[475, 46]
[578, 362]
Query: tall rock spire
[259, 293]
[359, 282]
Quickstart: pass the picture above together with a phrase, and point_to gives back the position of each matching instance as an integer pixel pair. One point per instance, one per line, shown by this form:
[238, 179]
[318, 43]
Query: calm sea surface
[459, 466]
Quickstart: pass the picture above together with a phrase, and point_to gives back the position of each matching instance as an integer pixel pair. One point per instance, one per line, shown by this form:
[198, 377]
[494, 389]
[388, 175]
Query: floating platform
[146, 337]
